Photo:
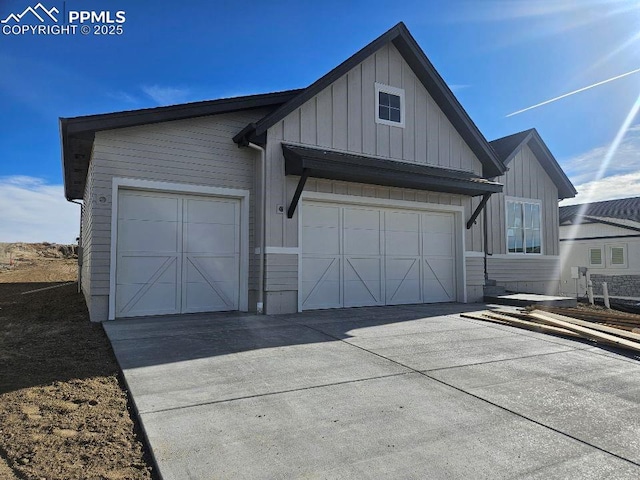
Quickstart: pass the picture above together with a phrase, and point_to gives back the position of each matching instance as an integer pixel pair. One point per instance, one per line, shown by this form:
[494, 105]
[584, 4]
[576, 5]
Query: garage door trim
[187, 189]
[456, 210]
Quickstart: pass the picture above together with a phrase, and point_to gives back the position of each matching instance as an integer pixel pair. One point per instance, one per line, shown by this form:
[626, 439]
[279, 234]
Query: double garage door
[357, 256]
[176, 254]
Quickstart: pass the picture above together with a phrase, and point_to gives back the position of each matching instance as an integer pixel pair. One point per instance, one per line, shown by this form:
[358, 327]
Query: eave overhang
[77, 134]
[333, 165]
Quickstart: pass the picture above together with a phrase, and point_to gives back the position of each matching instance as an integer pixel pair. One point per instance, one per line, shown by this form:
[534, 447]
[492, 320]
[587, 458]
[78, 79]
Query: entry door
[357, 256]
[176, 254]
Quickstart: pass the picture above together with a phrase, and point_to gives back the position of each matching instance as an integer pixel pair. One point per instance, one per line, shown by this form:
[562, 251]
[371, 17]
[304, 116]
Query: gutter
[263, 214]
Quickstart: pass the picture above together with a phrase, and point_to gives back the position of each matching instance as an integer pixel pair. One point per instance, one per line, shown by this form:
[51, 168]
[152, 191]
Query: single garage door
[358, 256]
[176, 254]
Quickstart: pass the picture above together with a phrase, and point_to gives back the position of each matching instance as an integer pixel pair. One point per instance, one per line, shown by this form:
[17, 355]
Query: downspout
[484, 242]
[263, 215]
[79, 246]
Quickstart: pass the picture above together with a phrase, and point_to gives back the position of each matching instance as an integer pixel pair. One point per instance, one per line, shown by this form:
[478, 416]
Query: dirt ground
[64, 413]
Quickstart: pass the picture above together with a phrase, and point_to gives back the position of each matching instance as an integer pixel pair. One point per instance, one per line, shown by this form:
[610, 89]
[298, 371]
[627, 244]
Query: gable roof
[414, 56]
[77, 133]
[621, 209]
[507, 148]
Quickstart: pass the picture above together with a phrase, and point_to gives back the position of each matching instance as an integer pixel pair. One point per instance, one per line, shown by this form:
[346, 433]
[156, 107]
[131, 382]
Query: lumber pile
[616, 329]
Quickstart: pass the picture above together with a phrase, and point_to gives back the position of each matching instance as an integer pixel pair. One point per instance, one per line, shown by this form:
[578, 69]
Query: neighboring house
[604, 238]
[365, 188]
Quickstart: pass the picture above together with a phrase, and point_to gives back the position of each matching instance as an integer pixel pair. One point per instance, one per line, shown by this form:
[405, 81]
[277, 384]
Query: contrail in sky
[575, 91]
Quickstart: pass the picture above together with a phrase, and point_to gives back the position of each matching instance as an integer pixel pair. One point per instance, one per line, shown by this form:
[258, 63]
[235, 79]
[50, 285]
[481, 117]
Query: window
[595, 257]
[523, 227]
[389, 105]
[617, 256]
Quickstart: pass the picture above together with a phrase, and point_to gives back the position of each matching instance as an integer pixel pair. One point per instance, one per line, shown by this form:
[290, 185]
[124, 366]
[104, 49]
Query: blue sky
[497, 56]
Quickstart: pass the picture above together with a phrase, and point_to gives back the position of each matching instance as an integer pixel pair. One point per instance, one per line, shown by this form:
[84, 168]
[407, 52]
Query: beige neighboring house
[366, 188]
[604, 239]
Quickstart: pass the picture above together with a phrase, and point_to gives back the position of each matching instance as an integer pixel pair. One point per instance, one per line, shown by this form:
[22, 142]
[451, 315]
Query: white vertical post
[590, 291]
[605, 292]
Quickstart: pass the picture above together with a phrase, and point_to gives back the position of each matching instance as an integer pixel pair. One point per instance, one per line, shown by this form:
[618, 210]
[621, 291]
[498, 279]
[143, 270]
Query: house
[368, 187]
[522, 245]
[604, 239]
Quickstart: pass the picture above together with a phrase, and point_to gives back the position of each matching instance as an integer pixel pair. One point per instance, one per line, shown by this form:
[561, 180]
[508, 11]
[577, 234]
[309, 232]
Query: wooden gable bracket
[296, 195]
[483, 202]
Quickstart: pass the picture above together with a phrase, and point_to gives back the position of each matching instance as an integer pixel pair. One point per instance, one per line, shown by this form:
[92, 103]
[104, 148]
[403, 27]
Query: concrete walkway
[381, 392]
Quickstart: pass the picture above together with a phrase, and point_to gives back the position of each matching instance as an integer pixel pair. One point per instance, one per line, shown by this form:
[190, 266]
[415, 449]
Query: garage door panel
[321, 283]
[389, 256]
[438, 222]
[321, 216]
[206, 237]
[320, 240]
[201, 297]
[141, 269]
[438, 245]
[362, 218]
[218, 212]
[402, 280]
[216, 267]
[402, 243]
[149, 207]
[402, 221]
[159, 299]
[186, 260]
[362, 242]
[363, 281]
[439, 280]
[137, 235]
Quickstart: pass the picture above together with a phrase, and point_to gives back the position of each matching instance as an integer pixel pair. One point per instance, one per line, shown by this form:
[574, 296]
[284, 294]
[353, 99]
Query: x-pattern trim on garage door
[176, 253]
[359, 255]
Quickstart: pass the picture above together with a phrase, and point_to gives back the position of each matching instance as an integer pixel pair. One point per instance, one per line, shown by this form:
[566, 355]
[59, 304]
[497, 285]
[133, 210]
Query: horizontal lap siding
[195, 151]
[281, 272]
[475, 270]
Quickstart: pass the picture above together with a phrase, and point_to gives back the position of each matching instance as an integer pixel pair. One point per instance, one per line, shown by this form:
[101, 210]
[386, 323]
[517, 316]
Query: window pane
[511, 216]
[384, 113]
[595, 256]
[535, 215]
[617, 256]
[395, 115]
[533, 241]
[394, 101]
[515, 240]
[527, 215]
[383, 99]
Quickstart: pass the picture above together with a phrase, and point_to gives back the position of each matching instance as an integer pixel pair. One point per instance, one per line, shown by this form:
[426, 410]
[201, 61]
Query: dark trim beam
[296, 195]
[333, 165]
[476, 212]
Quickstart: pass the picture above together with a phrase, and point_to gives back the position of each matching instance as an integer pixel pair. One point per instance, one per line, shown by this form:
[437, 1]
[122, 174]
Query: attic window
[389, 105]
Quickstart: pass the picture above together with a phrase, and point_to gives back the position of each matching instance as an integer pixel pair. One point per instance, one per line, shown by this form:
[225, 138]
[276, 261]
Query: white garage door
[357, 256]
[176, 254]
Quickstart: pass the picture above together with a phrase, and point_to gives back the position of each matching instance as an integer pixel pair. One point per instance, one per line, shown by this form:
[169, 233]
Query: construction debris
[616, 329]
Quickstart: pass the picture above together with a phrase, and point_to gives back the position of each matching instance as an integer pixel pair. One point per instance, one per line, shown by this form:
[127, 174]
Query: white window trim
[603, 257]
[380, 87]
[180, 188]
[608, 258]
[506, 225]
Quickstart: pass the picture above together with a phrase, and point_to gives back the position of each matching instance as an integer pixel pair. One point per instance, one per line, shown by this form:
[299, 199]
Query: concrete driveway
[381, 392]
